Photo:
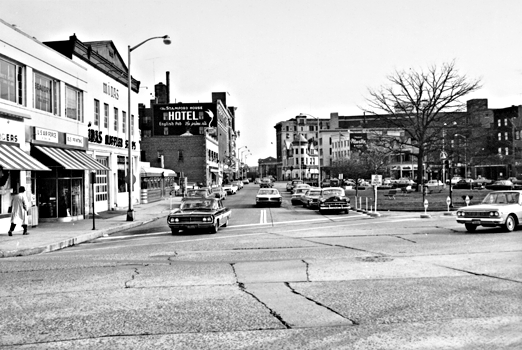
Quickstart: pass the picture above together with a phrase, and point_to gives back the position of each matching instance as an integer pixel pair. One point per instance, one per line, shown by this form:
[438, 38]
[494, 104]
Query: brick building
[197, 140]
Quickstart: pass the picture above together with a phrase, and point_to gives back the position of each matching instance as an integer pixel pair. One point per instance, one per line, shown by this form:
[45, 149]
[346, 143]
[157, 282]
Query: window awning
[72, 159]
[152, 171]
[13, 158]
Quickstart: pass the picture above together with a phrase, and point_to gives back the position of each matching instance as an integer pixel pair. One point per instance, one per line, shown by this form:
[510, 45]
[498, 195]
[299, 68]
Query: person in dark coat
[19, 208]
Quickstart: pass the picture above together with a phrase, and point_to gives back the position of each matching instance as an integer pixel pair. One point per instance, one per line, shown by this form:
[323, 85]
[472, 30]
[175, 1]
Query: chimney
[168, 87]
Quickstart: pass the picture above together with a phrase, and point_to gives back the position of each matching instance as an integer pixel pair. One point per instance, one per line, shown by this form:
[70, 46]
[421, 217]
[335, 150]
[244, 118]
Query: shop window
[46, 94]
[12, 82]
[73, 103]
[96, 112]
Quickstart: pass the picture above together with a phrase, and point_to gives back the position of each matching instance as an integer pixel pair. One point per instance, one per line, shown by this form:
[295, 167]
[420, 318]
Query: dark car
[466, 184]
[291, 184]
[501, 185]
[333, 199]
[199, 213]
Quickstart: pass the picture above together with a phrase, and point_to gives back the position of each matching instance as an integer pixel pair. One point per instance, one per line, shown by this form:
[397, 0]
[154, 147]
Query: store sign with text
[46, 135]
[96, 136]
[184, 118]
[11, 131]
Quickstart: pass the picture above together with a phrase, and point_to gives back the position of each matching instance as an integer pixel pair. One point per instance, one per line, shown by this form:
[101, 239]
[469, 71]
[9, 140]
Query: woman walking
[19, 207]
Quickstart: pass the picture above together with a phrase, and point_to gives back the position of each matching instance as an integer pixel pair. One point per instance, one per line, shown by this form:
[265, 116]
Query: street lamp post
[465, 154]
[318, 149]
[166, 41]
[240, 154]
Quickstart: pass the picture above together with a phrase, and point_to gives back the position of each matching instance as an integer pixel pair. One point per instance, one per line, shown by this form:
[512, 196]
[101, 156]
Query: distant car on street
[199, 213]
[501, 185]
[268, 196]
[291, 184]
[498, 208]
[311, 198]
[266, 183]
[333, 199]
[298, 193]
[230, 188]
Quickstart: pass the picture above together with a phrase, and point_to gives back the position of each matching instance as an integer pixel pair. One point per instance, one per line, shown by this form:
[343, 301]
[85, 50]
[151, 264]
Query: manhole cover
[374, 259]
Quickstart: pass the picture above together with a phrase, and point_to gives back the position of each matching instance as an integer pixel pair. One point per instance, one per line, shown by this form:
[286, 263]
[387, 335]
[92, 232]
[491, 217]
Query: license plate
[475, 222]
[191, 227]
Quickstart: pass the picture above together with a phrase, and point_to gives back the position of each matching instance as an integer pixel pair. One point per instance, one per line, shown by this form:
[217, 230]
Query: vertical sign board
[376, 182]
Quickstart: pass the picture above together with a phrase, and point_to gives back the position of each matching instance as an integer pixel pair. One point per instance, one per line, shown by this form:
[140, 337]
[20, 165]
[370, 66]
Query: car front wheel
[510, 223]
[471, 227]
[215, 228]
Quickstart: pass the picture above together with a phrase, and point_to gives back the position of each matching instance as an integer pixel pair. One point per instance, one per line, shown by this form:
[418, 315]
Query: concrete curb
[75, 240]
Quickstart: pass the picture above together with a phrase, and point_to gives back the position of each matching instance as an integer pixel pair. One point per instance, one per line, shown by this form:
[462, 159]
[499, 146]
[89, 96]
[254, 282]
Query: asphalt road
[275, 278]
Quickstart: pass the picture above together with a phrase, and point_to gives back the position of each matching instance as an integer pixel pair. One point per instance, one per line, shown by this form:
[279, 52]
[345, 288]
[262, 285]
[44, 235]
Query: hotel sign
[184, 118]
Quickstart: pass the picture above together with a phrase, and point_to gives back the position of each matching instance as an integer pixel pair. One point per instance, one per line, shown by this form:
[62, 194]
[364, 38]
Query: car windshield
[199, 205]
[268, 191]
[216, 189]
[314, 192]
[332, 192]
[301, 190]
[501, 198]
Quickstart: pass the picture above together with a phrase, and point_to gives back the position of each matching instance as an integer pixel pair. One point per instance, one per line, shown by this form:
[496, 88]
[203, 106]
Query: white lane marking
[262, 218]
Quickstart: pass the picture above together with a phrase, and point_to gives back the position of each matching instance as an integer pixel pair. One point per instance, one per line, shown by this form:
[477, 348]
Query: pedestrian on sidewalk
[19, 208]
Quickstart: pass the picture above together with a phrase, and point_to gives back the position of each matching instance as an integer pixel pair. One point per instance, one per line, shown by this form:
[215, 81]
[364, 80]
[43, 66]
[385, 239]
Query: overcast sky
[277, 59]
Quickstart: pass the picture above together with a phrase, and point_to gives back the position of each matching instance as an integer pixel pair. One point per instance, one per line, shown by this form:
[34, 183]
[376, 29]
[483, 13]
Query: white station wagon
[499, 208]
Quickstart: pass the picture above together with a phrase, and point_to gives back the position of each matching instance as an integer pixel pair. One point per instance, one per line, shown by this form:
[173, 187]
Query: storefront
[16, 169]
[61, 192]
[157, 183]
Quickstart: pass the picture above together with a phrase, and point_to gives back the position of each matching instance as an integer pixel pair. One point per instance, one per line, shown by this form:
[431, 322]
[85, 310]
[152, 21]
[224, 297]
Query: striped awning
[13, 158]
[152, 171]
[72, 159]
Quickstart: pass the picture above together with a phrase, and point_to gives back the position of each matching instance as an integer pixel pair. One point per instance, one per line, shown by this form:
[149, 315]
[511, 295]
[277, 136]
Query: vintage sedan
[311, 197]
[230, 188]
[266, 182]
[333, 199]
[298, 192]
[500, 185]
[268, 196]
[499, 208]
[199, 213]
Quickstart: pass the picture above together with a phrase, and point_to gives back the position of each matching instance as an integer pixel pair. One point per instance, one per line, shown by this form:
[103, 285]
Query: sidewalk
[50, 236]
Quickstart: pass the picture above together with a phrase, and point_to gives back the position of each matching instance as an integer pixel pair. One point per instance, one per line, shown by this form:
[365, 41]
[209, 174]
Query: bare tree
[422, 103]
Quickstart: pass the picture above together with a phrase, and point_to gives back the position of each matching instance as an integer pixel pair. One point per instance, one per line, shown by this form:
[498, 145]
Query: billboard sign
[358, 142]
[183, 118]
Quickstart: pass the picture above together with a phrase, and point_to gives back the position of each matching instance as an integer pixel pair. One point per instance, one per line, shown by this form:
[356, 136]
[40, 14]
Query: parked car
[333, 199]
[230, 188]
[434, 185]
[219, 192]
[290, 184]
[257, 181]
[268, 196]
[498, 208]
[175, 190]
[311, 197]
[404, 182]
[266, 183]
[246, 181]
[199, 192]
[482, 181]
[239, 184]
[465, 185]
[455, 179]
[298, 192]
[199, 213]
[500, 185]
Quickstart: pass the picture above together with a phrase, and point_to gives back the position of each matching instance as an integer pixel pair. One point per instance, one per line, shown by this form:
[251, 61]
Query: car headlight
[494, 214]
[459, 213]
